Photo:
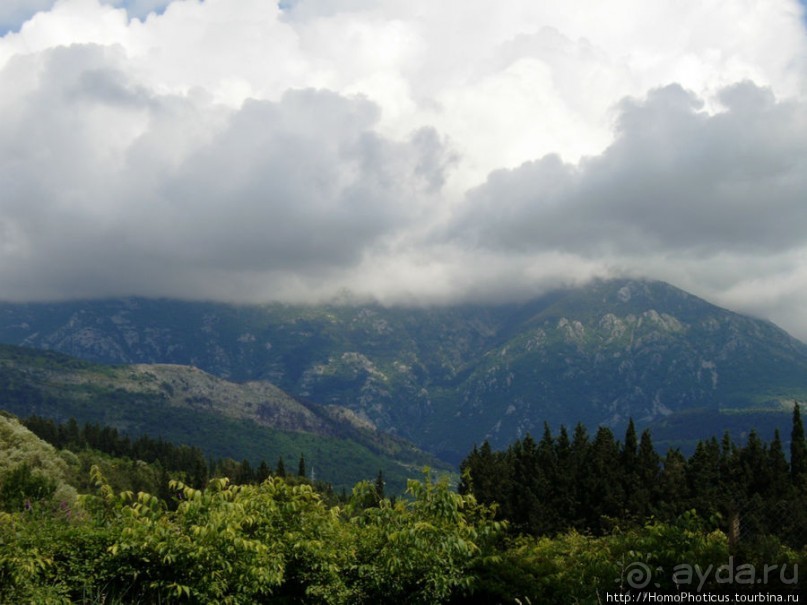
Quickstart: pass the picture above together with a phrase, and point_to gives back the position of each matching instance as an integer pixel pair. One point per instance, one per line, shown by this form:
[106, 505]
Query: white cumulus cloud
[405, 150]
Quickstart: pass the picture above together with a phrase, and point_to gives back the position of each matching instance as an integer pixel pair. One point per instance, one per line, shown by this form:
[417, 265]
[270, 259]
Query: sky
[409, 151]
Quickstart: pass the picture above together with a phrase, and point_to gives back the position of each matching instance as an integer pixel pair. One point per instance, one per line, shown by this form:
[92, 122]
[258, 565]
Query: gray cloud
[111, 188]
[286, 151]
[676, 179]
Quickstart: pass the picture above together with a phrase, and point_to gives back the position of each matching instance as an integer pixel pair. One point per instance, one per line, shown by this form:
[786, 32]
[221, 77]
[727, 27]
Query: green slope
[184, 405]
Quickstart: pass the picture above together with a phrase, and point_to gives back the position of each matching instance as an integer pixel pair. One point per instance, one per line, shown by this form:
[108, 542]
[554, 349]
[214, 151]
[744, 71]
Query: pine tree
[263, 472]
[565, 501]
[468, 468]
[798, 449]
[635, 495]
[703, 477]
[673, 493]
[602, 482]
[522, 503]
[280, 470]
[301, 466]
[488, 475]
[198, 471]
[645, 495]
[379, 486]
[244, 474]
[630, 449]
[754, 475]
[778, 469]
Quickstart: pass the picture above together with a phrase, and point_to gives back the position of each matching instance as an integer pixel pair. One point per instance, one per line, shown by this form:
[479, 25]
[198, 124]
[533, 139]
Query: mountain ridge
[447, 377]
[255, 421]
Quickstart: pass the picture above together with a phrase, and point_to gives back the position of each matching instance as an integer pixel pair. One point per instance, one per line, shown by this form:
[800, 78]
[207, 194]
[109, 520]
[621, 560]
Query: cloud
[15, 13]
[107, 174]
[415, 151]
[676, 180]
[710, 201]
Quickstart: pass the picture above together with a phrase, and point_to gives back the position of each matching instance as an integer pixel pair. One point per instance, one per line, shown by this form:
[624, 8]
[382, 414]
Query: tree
[263, 472]
[486, 474]
[245, 474]
[630, 449]
[703, 477]
[778, 470]
[602, 482]
[301, 466]
[566, 478]
[379, 486]
[641, 491]
[798, 448]
[673, 484]
[21, 487]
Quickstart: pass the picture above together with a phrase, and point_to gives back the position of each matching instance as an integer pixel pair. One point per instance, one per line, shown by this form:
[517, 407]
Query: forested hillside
[252, 421]
[625, 520]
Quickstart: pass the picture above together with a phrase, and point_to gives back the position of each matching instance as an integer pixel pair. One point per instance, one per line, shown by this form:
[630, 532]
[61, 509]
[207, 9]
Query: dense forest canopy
[590, 484]
[559, 520]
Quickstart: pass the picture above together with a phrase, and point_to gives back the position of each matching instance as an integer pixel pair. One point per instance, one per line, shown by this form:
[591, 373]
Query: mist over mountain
[447, 377]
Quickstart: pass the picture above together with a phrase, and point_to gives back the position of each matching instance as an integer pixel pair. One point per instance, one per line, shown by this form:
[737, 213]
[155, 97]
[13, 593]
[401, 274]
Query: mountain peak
[447, 377]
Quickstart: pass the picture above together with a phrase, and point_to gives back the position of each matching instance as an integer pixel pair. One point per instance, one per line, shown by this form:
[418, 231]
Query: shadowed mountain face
[446, 377]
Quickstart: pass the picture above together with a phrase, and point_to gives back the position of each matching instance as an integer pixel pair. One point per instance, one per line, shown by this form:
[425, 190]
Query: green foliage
[21, 488]
[30, 469]
[422, 549]
[277, 541]
[280, 542]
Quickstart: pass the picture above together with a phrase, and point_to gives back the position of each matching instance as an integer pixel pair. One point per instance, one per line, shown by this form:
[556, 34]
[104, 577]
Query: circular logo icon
[639, 575]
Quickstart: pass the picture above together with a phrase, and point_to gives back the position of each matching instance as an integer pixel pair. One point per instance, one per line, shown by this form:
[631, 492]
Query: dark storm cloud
[675, 179]
[111, 188]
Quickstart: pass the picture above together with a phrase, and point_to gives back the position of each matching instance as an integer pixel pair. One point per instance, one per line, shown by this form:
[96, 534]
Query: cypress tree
[280, 470]
[301, 467]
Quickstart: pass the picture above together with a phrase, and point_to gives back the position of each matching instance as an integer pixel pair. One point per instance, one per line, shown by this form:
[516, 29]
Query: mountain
[447, 377]
[253, 420]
